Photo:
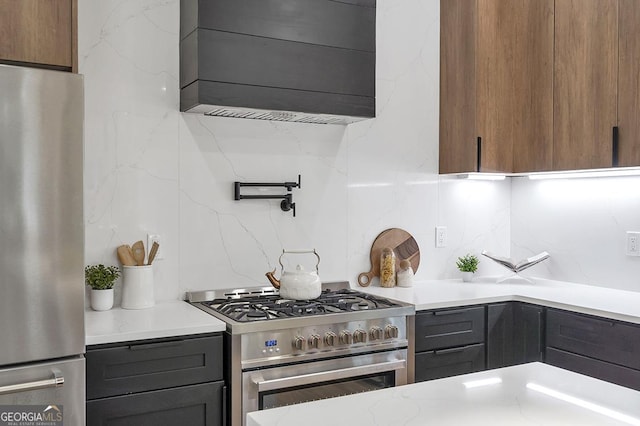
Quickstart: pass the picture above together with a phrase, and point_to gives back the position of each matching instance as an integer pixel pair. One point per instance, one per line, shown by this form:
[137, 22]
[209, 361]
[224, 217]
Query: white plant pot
[467, 277]
[101, 300]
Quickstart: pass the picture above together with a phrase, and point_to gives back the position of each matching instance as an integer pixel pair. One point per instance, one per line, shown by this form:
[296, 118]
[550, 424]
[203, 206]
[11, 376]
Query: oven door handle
[325, 376]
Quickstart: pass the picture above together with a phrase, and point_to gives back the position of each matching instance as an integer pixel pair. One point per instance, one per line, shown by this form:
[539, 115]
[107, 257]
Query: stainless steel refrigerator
[41, 246]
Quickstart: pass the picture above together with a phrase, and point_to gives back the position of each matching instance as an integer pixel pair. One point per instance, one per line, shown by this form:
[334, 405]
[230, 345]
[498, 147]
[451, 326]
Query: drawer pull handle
[56, 381]
[451, 351]
[451, 312]
[155, 345]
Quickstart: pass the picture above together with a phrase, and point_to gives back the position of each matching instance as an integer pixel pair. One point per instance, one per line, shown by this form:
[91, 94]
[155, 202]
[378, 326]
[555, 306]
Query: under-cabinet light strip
[632, 171]
[482, 176]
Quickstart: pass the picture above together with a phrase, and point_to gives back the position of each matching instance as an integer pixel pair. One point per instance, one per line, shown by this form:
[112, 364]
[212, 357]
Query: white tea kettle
[299, 284]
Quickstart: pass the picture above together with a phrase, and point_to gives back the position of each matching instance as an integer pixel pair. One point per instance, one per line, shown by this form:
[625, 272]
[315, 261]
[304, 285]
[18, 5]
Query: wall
[582, 223]
[151, 169]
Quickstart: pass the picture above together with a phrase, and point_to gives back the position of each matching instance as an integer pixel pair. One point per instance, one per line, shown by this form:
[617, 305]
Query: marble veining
[151, 169]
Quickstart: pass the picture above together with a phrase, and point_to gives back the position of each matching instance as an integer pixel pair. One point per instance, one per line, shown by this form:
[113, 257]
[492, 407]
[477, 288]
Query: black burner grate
[266, 307]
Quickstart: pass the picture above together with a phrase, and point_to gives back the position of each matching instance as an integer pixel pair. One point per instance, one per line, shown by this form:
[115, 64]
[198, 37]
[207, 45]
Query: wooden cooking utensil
[138, 252]
[125, 255]
[401, 242]
[152, 253]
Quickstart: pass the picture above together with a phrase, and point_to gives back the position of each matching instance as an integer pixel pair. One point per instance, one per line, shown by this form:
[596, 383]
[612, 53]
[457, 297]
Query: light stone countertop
[176, 318]
[529, 394]
[165, 319]
[600, 301]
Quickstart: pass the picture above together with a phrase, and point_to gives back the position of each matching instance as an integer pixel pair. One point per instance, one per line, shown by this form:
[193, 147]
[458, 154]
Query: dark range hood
[310, 61]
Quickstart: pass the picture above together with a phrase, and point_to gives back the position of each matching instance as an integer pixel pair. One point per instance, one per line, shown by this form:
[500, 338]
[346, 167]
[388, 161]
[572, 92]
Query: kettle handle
[299, 252]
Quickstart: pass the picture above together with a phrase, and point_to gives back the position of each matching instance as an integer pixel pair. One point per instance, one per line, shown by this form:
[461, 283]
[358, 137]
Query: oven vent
[297, 117]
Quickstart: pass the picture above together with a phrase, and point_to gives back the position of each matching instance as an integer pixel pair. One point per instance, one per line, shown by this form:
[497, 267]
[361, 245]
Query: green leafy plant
[100, 277]
[468, 263]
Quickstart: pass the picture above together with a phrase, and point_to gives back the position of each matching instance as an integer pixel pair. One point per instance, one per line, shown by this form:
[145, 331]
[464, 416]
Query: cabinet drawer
[617, 374]
[606, 340]
[448, 328]
[153, 365]
[196, 405]
[449, 362]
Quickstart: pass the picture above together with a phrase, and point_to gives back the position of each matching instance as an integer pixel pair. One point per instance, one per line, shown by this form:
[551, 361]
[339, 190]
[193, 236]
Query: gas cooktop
[264, 304]
[261, 308]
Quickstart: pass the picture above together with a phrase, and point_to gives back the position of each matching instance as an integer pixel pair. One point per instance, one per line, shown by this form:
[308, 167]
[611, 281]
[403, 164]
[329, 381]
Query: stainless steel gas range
[286, 351]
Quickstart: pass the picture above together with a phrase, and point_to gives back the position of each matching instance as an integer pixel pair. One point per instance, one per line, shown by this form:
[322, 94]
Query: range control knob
[376, 333]
[345, 337]
[391, 332]
[330, 338]
[299, 343]
[314, 341]
[359, 336]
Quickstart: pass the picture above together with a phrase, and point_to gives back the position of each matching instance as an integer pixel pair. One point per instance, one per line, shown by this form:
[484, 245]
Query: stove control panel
[323, 340]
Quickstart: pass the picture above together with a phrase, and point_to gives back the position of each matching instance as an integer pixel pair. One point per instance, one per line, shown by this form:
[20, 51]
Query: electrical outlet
[150, 239]
[633, 243]
[441, 236]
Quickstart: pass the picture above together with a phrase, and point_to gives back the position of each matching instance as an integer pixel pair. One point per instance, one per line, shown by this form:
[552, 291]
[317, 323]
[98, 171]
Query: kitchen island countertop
[529, 394]
[165, 319]
[600, 301]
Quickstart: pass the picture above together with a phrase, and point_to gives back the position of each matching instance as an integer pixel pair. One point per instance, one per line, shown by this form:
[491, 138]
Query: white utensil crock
[137, 287]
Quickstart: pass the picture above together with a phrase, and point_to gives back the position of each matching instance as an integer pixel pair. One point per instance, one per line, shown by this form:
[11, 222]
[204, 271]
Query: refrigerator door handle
[56, 381]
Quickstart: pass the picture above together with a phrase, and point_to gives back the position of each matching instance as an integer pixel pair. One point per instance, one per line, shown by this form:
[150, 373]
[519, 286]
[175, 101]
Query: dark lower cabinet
[449, 342]
[600, 338]
[186, 405]
[474, 338]
[514, 334]
[598, 347]
[160, 382]
[602, 370]
[449, 362]
[462, 340]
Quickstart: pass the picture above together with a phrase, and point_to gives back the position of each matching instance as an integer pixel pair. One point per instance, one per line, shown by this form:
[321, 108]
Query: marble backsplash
[151, 169]
[582, 223]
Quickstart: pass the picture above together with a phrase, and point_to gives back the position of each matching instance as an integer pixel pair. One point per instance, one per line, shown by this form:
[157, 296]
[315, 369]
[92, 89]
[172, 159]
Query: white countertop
[518, 399]
[600, 301]
[165, 319]
[176, 318]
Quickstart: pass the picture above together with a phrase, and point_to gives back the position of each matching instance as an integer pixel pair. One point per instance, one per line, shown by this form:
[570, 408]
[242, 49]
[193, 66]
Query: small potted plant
[101, 280]
[467, 264]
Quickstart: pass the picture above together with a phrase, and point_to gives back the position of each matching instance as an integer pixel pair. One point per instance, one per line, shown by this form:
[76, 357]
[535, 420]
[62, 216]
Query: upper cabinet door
[496, 85]
[629, 83]
[515, 84]
[458, 86]
[40, 32]
[586, 71]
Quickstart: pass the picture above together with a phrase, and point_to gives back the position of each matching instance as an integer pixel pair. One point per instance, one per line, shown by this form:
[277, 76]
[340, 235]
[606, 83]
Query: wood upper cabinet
[515, 85]
[585, 78]
[629, 83]
[458, 86]
[496, 85]
[39, 33]
[539, 85]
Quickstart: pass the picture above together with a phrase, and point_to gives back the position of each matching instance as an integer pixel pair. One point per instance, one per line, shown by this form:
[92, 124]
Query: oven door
[308, 381]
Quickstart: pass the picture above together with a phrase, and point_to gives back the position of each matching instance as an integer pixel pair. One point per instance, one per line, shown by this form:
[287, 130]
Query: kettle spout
[273, 280]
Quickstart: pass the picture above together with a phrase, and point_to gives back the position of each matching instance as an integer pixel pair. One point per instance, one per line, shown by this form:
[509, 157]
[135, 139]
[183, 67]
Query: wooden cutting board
[403, 245]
